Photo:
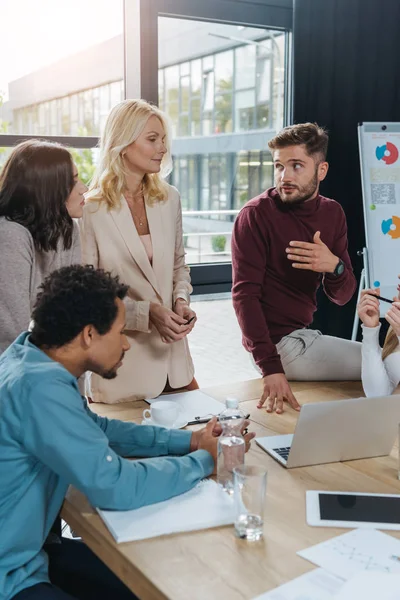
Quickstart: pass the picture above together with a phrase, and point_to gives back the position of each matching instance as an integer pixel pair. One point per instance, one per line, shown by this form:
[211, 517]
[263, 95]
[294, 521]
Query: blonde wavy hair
[391, 343]
[124, 125]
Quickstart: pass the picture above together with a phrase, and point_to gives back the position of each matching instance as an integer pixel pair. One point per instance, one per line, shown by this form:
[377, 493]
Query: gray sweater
[22, 270]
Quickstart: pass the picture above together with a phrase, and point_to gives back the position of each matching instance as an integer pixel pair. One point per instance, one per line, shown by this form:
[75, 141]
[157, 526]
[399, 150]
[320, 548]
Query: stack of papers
[315, 585]
[195, 406]
[363, 564]
[321, 585]
[359, 550]
[205, 506]
[370, 585]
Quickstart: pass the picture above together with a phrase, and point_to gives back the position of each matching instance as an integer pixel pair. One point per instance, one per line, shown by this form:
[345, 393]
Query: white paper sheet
[355, 551]
[370, 585]
[204, 506]
[193, 404]
[315, 585]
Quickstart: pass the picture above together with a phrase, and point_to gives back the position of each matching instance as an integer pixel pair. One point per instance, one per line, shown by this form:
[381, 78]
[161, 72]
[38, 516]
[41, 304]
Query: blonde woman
[380, 366]
[132, 226]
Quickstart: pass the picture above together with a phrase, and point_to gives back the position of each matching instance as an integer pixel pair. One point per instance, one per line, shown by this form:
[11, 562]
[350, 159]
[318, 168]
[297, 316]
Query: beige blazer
[110, 241]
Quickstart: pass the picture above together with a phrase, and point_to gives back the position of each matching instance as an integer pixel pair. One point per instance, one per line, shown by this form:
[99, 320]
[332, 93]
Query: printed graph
[358, 550]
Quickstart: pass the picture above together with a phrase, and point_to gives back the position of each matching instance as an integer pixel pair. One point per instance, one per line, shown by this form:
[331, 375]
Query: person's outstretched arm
[249, 257]
[59, 432]
[375, 376]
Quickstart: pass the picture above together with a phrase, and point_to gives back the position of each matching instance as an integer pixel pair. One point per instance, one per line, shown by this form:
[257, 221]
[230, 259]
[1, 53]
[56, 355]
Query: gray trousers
[307, 355]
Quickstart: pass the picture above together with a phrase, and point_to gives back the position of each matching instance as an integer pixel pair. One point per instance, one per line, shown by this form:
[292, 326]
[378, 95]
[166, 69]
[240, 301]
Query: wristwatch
[339, 268]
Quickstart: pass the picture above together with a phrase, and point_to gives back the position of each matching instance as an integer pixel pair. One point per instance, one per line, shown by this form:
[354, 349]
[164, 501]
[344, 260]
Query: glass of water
[250, 487]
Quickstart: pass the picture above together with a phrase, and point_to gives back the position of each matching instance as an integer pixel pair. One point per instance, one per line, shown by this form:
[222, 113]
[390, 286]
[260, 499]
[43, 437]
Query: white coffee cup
[163, 413]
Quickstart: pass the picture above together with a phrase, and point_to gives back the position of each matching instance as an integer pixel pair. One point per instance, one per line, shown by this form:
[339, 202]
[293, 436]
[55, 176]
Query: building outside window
[222, 89]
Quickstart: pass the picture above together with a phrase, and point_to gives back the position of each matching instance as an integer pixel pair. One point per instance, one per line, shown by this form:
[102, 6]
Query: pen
[207, 419]
[381, 298]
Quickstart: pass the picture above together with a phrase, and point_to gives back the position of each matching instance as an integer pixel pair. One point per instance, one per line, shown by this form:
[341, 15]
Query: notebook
[195, 406]
[203, 507]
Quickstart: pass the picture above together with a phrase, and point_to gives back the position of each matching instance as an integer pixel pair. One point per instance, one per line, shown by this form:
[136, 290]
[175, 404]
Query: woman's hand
[183, 309]
[368, 308]
[170, 325]
[393, 317]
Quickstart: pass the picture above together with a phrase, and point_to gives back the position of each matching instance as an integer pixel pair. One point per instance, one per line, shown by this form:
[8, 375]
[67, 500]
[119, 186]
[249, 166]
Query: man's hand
[204, 439]
[216, 432]
[368, 308]
[169, 325]
[183, 309]
[276, 390]
[312, 256]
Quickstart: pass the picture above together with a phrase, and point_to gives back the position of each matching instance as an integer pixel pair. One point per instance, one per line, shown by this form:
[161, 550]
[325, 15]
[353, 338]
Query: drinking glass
[250, 486]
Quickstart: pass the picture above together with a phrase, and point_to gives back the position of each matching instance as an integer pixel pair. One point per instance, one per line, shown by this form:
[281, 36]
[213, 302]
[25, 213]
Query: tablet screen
[348, 507]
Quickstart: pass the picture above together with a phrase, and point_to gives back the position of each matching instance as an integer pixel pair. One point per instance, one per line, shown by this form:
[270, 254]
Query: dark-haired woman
[40, 195]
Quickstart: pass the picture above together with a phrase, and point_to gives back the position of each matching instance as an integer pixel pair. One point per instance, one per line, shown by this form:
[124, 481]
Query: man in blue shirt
[49, 439]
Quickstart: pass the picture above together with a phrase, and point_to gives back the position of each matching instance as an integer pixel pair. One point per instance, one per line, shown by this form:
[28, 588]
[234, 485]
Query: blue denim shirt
[49, 439]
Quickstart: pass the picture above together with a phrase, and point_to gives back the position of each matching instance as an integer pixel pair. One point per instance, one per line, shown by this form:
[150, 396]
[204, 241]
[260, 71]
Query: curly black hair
[71, 298]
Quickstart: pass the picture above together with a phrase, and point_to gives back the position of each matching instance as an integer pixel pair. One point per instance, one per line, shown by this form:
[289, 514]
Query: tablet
[349, 509]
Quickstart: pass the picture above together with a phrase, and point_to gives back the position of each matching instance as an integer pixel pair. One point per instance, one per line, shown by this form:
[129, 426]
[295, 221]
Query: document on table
[204, 506]
[355, 551]
[194, 406]
[315, 585]
[371, 585]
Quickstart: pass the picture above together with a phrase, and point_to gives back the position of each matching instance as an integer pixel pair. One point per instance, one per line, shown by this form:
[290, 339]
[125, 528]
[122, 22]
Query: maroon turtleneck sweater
[270, 297]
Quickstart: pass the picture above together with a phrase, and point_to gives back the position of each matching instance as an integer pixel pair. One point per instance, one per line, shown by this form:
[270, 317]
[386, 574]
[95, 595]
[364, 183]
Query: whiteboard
[379, 145]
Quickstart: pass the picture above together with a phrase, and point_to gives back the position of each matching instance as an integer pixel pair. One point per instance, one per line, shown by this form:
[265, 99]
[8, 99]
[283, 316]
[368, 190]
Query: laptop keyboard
[283, 452]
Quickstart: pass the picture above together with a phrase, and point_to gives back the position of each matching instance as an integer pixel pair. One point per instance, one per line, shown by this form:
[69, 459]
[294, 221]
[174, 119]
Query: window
[45, 87]
[219, 86]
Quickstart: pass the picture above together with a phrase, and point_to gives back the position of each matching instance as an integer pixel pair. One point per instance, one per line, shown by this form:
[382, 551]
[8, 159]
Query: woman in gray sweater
[40, 195]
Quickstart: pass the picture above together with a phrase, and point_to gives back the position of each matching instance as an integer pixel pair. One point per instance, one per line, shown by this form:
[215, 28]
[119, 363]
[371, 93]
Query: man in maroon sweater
[285, 243]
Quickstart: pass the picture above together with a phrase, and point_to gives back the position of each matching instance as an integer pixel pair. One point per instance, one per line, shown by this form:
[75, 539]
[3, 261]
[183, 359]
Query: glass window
[65, 116]
[74, 115]
[263, 116]
[185, 93]
[245, 67]
[196, 77]
[172, 96]
[224, 72]
[184, 125]
[116, 93]
[183, 182]
[185, 68]
[87, 122]
[96, 111]
[58, 56]
[161, 98]
[53, 117]
[245, 110]
[263, 80]
[196, 116]
[223, 113]
[267, 170]
[42, 119]
[172, 84]
[208, 102]
[227, 92]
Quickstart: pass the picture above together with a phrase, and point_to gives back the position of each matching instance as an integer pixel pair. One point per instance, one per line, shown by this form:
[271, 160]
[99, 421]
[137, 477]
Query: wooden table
[214, 564]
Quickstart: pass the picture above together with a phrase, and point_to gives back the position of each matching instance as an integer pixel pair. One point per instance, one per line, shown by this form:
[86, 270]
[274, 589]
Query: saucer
[179, 423]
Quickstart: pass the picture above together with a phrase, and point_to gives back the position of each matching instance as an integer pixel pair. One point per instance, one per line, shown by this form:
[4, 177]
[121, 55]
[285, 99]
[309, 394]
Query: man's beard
[111, 373]
[304, 193]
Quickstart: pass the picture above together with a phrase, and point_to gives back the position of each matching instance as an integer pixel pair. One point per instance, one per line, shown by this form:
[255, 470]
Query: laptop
[336, 431]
